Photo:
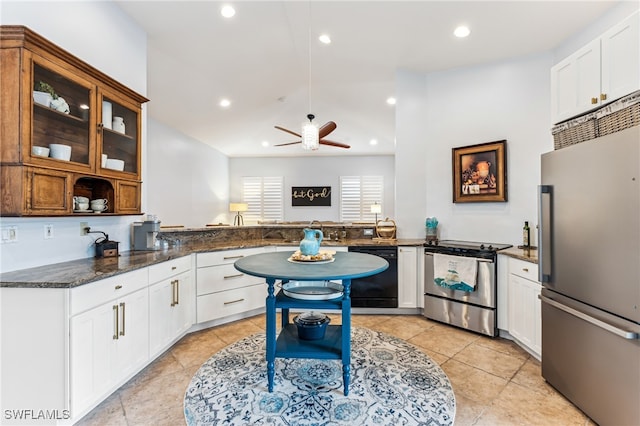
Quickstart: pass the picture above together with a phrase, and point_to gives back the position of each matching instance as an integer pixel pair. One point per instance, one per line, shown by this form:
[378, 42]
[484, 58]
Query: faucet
[316, 221]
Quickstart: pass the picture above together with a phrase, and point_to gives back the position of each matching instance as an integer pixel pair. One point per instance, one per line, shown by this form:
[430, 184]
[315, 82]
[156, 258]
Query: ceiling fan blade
[326, 129]
[288, 143]
[332, 143]
[288, 131]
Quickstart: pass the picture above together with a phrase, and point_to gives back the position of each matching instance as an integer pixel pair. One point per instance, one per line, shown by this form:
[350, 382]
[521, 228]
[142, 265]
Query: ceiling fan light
[310, 136]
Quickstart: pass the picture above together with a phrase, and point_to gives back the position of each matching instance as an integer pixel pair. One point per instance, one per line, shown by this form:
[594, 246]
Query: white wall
[412, 149]
[187, 180]
[314, 171]
[101, 34]
[507, 100]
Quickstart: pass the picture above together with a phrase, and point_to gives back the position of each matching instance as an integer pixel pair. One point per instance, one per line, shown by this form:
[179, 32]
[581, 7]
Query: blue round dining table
[336, 344]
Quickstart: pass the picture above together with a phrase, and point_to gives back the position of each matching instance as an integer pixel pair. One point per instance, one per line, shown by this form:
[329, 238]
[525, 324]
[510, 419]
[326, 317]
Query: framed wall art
[480, 173]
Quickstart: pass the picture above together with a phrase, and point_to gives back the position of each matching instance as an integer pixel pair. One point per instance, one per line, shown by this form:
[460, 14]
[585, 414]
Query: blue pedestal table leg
[346, 335]
[271, 331]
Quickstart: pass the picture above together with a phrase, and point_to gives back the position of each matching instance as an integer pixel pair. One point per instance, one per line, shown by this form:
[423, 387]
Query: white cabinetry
[525, 320]
[170, 302]
[109, 336]
[600, 72]
[408, 277]
[222, 290]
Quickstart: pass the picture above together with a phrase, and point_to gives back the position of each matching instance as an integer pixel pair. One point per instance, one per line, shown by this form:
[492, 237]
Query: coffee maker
[144, 235]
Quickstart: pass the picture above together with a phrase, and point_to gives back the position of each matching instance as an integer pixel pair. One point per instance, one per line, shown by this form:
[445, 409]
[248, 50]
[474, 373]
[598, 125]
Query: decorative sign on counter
[307, 196]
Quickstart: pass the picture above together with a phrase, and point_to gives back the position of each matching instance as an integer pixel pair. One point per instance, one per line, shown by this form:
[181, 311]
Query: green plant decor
[41, 86]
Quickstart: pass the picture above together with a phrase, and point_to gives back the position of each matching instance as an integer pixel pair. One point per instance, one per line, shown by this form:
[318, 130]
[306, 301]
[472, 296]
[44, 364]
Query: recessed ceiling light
[265, 143]
[373, 142]
[391, 101]
[324, 38]
[462, 31]
[225, 103]
[227, 11]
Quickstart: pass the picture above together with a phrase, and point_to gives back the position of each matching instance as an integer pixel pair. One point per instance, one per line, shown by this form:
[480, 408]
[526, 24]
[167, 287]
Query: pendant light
[310, 134]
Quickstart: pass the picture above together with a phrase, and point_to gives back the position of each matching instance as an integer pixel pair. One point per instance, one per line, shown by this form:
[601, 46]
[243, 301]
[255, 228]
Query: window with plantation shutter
[264, 196]
[357, 194]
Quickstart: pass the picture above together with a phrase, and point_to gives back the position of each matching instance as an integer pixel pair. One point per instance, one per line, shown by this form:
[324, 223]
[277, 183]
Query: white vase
[118, 124]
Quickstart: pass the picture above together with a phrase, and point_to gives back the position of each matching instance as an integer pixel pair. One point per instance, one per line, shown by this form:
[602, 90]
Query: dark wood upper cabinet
[50, 97]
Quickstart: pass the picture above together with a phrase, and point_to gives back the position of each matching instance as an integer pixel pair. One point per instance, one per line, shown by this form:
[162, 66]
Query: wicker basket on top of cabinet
[619, 115]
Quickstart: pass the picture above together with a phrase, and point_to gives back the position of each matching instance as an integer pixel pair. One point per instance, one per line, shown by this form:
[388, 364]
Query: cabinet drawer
[225, 256]
[523, 269]
[220, 305]
[223, 277]
[99, 292]
[169, 268]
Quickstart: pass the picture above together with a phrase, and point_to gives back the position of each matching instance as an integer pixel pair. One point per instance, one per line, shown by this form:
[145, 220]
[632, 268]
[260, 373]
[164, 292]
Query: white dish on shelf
[40, 151]
[313, 290]
[114, 164]
[42, 98]
[83, 211]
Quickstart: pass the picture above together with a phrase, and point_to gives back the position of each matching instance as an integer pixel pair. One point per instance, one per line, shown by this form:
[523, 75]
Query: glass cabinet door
[120, 136]
[61, 118]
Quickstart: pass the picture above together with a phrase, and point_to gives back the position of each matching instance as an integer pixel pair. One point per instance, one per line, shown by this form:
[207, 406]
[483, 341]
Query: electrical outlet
[84, 226]
[48, 231]
[368, 232]
[9, 234]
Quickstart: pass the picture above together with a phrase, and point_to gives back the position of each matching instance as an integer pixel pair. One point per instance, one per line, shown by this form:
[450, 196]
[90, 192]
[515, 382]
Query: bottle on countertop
[526, 234]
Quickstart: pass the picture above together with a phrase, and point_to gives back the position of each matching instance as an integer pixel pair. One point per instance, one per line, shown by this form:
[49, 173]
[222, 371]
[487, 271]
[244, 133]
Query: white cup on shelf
[104, 161]
[59, 151]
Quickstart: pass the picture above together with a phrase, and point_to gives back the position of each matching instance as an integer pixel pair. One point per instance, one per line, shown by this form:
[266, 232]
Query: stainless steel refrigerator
[589, 263]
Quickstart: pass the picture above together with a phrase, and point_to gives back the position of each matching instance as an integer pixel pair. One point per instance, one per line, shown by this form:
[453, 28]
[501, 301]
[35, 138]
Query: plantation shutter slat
[357, 194]
[264, 196]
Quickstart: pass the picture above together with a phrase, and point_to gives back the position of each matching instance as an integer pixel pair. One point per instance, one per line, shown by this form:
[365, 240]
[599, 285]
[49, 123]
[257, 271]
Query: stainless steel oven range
[473, 310]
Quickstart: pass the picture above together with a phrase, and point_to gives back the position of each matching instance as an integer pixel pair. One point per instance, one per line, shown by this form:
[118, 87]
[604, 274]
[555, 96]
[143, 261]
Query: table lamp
[238, 207]
[376, 208]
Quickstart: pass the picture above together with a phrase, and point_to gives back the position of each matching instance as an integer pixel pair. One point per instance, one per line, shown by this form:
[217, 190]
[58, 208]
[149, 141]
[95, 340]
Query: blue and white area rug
[392, 383]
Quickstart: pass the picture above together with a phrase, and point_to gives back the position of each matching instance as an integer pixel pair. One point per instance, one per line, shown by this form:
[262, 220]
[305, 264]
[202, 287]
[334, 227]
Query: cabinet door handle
[232, 276]
[123, 320]
[525, 269]
[234, 301]
[118, 287]
[174, 292]
[177, 292]
[116, 326]
[173, 268]
[603, 96]
[594, 101]
[233, 257]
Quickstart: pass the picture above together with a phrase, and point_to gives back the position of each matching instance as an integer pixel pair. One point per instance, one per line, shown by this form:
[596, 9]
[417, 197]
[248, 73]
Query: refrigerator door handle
[545, 230]
[625, 334]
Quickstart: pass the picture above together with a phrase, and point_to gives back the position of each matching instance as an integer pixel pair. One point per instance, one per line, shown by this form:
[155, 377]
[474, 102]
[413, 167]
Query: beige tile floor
[495, 382]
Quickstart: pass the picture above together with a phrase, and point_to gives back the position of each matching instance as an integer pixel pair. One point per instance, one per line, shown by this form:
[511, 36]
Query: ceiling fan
[321, 133]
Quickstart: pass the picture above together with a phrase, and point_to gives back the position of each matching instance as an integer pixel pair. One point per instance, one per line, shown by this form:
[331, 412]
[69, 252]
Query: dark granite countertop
[529, 255]
[75, 273]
